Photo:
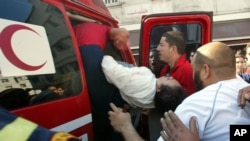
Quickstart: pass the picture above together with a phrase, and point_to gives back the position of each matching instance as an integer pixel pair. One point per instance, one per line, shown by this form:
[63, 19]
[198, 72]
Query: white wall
[130, 11]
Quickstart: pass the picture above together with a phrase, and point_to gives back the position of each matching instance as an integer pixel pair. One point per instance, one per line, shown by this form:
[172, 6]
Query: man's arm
[121, 122]
[120, 37]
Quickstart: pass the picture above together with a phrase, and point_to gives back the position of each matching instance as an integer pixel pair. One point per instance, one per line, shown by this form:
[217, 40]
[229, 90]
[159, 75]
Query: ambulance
[38, 48]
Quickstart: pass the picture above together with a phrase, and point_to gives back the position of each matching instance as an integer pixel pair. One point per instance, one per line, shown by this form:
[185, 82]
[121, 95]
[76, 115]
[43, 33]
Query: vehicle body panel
[204, 19]
[73, 113]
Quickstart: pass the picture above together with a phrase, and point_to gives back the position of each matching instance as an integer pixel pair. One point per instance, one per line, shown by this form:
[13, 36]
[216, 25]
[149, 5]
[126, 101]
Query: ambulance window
[22, 91]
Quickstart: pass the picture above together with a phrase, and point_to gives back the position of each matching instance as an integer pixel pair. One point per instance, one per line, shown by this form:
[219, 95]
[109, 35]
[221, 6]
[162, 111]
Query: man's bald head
[218, 56]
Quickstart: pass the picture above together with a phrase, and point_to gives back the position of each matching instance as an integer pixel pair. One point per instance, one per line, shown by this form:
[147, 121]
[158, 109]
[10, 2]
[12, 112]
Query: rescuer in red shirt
[172, 51]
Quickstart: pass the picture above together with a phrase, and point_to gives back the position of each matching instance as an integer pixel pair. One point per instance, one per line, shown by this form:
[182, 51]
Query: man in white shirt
[215, 105]
[214, 71]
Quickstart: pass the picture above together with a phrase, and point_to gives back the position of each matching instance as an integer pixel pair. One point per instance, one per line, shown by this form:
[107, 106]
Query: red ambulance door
[196, 26]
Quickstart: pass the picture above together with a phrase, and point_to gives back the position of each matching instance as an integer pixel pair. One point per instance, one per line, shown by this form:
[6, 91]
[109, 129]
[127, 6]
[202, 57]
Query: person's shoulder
[245, 76]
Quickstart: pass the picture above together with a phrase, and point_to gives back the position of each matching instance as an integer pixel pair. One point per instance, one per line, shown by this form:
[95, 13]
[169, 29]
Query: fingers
[241, 100]
[114, 108]
[170, 77]
[192, 125]
[243, 96]
[166, 128]
[167, 124]
[164, 136]
[175, 119]
[247, 96]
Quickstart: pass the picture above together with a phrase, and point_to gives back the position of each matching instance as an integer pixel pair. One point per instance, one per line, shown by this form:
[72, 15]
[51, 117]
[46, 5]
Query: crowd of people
[195, 97]
[242, 57]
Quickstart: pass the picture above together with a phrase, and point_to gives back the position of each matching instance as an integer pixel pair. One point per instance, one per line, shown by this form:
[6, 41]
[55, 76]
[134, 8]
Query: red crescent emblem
[5, 45]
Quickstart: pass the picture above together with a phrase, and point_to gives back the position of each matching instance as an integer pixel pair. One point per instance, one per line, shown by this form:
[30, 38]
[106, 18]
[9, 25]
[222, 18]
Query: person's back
[218, 109]
[92, 38]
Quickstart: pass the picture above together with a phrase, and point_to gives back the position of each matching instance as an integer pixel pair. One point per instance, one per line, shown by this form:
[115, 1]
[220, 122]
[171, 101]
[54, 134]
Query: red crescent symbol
[5, 45]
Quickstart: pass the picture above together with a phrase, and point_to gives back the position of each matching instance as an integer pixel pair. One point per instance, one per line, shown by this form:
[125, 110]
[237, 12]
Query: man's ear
[205, 71]
[174, 48]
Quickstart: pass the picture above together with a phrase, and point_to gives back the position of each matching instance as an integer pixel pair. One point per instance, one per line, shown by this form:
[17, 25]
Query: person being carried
[139, 87]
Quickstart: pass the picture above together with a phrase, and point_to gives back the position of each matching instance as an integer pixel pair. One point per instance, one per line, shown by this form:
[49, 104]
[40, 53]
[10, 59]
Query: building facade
[231, 19]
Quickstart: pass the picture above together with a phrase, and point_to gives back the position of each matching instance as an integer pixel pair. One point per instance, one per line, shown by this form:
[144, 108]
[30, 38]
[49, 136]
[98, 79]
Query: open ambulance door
[196, 26]
[197, 29]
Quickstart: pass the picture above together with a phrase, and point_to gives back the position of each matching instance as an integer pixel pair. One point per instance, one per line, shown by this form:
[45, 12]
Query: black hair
[14, 98]
[169, 97]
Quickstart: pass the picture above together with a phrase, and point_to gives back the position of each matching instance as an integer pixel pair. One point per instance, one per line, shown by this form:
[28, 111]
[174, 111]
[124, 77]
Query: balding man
[215, 105]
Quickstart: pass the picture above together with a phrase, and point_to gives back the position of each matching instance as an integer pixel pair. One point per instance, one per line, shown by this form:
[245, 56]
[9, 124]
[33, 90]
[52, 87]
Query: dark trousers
[101, 94]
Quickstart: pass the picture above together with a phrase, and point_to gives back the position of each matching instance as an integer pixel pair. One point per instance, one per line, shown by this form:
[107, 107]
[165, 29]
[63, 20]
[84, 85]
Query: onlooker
[241, 68]
[240, 62]
[172, 51]
[155, 63]
[50, 87]
[60, 91]
[139, 87]
[191, 55]
[45, 96]
[248, 53]
[92, 39]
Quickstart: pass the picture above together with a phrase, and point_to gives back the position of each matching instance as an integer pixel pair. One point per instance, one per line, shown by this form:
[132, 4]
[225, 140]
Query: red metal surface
[55, 113]
[87, 129]
[89, 8]
[203, 18]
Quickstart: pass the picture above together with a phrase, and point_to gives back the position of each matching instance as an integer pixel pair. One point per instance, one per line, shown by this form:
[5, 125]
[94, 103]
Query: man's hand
[244, 96]
[121, 122]
[118, 119]
[175, 130]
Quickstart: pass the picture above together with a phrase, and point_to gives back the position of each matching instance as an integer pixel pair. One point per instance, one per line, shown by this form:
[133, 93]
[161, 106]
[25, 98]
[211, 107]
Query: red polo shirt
[183, 73]
[92, 34]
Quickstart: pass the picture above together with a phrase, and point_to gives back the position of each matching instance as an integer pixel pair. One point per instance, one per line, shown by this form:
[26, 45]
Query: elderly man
[214, 75]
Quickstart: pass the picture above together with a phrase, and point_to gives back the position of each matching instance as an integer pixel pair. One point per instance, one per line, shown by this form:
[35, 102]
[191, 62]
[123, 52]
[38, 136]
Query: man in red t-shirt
[172, 51]
[92, 38]
[88, 33]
